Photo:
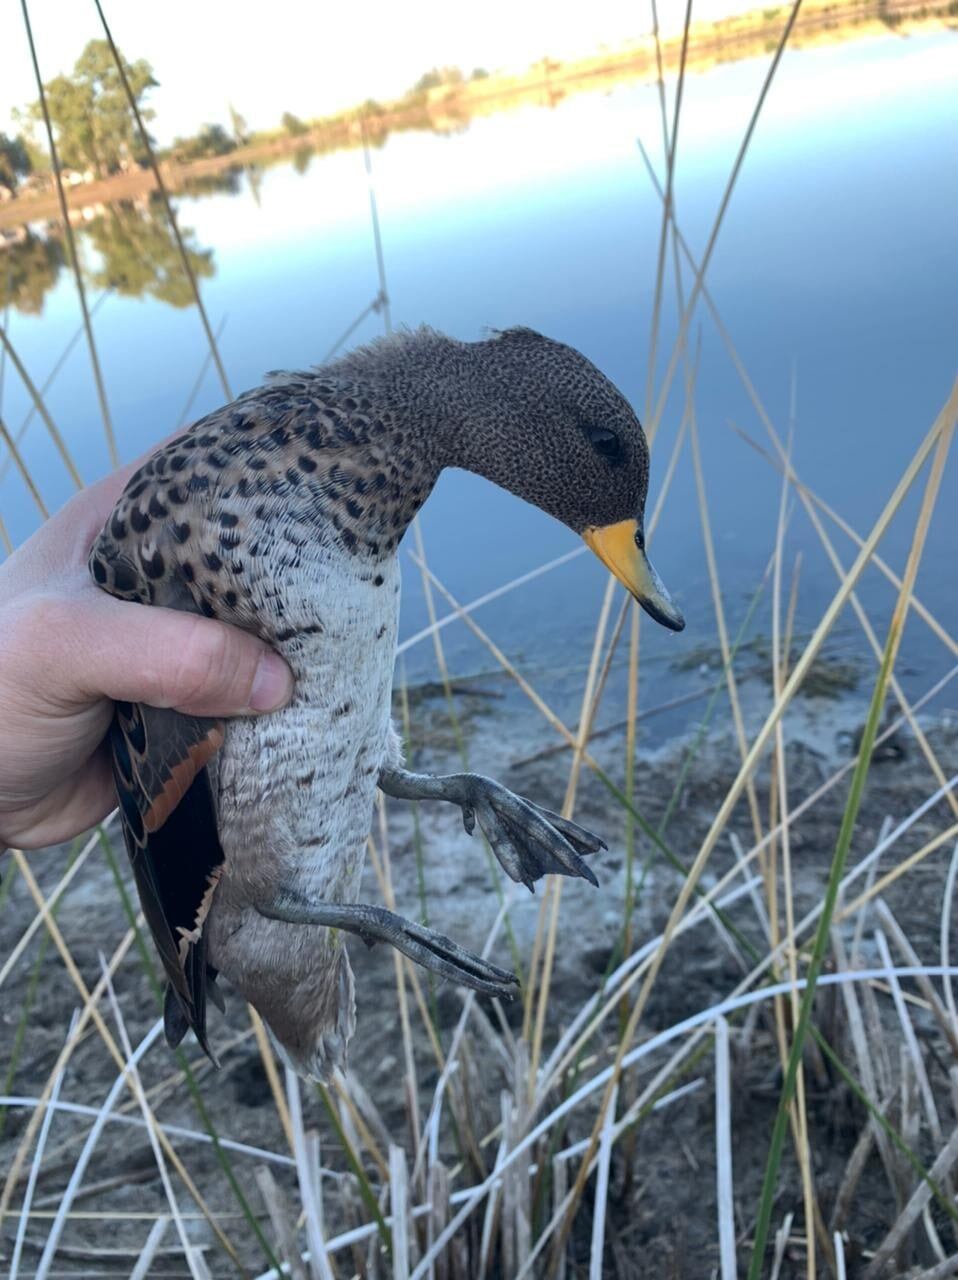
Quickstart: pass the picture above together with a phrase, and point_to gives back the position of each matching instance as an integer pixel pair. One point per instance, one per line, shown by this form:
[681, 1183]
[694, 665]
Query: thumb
[166, 658]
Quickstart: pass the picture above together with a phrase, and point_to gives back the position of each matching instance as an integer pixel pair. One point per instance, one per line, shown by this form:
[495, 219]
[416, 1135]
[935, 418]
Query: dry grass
[517, 1145]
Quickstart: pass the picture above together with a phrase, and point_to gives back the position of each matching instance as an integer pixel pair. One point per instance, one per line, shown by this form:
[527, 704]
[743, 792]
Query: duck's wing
[167, 810]
[169, 826]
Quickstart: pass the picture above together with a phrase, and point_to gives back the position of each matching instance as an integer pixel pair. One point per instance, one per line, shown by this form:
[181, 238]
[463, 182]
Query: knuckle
[202, 668]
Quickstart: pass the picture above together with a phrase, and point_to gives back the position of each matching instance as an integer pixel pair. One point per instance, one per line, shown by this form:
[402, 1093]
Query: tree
[435, 78]
[293, 125]
[212, 140]
[14, 161]
[91, 115]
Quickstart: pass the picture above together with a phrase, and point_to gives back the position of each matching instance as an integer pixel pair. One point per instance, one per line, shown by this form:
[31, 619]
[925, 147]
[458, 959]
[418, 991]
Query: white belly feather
[295, 789]
[295, 795]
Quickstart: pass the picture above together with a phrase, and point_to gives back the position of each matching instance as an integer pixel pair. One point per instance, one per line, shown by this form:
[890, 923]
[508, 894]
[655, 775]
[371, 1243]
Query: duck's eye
[604, 441]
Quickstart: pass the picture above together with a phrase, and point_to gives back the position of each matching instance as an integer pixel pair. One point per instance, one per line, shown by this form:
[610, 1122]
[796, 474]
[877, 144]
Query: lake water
[836, 266]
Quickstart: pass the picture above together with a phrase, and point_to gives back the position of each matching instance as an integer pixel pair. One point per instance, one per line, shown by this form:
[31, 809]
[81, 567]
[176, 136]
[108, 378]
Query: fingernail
[272, 684]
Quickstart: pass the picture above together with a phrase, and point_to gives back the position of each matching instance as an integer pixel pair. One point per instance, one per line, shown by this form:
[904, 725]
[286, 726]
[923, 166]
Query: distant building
[76, 177]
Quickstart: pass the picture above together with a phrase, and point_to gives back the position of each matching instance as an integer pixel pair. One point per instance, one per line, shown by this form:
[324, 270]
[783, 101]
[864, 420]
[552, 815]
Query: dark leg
[529, 841]
[376, 924]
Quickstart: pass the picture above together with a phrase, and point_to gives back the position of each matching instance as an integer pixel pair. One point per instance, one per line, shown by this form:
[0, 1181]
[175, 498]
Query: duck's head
[549, 427]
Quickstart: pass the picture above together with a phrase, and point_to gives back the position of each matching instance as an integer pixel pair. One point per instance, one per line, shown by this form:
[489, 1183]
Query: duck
[282, 513]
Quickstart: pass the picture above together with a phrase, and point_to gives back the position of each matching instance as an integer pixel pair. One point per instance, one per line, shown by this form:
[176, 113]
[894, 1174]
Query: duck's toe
[530, 841]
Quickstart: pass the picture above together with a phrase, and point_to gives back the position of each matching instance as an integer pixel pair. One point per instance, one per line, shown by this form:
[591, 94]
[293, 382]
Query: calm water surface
[836, 269]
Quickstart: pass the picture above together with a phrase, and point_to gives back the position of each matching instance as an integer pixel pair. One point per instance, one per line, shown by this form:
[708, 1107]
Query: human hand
[67, 650]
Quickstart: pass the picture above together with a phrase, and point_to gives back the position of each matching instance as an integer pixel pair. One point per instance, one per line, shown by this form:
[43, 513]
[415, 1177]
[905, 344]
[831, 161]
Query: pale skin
[68, 650]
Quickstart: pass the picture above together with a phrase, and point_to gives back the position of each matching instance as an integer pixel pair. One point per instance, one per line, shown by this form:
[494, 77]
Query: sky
[313, 58]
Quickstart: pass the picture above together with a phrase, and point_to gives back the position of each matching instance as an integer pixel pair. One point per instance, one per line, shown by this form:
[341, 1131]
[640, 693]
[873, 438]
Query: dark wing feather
[169, 825]
[163, 788]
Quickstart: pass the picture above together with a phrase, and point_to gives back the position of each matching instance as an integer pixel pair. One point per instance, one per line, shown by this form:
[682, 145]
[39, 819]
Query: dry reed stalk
[268, 1059]
[553, 894]
[399, 1206]
[906, 865]
[89, 1008]
[13, 1174]
[686, 319]
[48, 1113]
[385, 887]
[944, 938]
[723, 1152]
[55, 435]
[51, 377]
[151, 1246]
[806, 499]
[738, 719]
[601, 1201]
[71, 242]
[895, 631]
[638, 966]
[164, 196]
[62, 884]
[934, 1004]
[670, 140]
[24, 470]
[149, 1119]
[803, 490]
[401, 966]
[944, 1163]
[279, 1216]
[814, 1224]
[909, 1043]
[939, 433]
[307, 1175]
[56, 1229]
[873, 1132]
[875, 644]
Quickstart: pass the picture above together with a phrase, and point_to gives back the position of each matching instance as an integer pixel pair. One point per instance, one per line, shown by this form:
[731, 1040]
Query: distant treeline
[98, 140]
[97, 136]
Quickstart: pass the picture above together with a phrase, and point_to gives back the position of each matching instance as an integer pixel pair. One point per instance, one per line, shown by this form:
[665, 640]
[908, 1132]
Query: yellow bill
[620, 548]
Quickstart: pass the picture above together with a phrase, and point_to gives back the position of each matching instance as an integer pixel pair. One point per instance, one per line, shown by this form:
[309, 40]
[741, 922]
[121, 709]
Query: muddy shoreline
[667, 1201]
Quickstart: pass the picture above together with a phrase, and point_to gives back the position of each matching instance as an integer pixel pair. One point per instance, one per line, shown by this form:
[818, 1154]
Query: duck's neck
[444, 404]
[389, 423]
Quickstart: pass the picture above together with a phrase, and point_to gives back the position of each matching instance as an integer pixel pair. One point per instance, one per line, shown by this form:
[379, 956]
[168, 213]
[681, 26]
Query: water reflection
[134, 253]
[224, 182]
[29, 267]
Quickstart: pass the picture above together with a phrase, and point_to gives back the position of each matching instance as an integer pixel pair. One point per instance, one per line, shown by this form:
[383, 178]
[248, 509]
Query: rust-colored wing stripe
[180, 777]
[160, 760]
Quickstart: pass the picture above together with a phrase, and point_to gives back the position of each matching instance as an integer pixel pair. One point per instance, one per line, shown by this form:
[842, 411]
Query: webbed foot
[375, 924]
[529, 841]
